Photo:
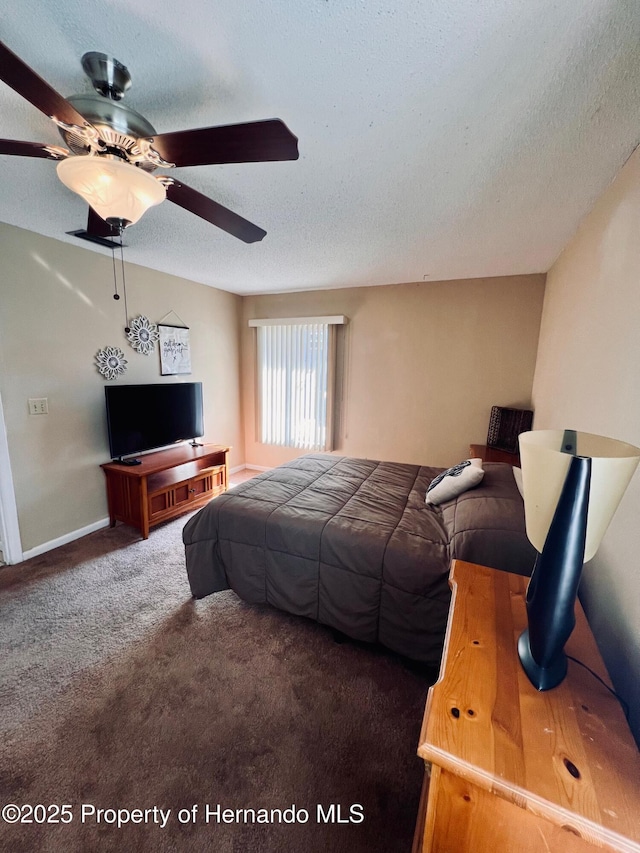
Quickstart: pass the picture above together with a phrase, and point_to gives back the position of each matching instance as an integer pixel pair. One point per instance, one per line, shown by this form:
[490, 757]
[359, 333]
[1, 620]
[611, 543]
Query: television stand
[165, 484]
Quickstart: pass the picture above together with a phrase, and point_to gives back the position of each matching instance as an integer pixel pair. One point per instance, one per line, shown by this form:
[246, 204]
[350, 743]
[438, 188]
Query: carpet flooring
[134, 718]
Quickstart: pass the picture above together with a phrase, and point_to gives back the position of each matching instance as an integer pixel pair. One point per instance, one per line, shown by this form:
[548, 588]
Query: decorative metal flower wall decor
[142, 335]
[111, 362]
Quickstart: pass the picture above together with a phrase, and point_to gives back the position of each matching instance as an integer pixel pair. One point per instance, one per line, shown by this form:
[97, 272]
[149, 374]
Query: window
[296, 370]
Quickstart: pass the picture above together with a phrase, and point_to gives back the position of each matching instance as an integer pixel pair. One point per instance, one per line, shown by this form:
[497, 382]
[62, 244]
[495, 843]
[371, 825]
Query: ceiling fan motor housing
[119, 126]
[110, 78]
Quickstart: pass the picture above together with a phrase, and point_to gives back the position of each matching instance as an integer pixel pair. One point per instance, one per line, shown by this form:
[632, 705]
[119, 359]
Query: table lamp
[572, 485]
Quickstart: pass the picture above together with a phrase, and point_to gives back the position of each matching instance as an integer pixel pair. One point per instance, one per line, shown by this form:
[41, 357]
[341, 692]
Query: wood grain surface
[562, 762]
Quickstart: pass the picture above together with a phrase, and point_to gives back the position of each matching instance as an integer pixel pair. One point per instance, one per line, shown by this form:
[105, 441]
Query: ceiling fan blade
[213, 212]
[37, 91]
[253, 142]
[32, 149]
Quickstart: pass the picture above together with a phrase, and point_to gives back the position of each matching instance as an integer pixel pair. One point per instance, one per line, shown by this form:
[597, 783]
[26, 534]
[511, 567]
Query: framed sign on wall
[175, 349]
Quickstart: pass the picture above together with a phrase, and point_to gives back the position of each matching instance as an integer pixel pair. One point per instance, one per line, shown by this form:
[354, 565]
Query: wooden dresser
[512, 769]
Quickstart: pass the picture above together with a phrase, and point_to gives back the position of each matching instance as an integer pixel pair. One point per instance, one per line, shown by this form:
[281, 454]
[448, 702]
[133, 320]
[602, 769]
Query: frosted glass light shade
[113, 188]
[544, 470]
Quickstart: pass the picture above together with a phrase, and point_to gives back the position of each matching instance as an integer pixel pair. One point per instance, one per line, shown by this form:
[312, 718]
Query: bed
[351, 544]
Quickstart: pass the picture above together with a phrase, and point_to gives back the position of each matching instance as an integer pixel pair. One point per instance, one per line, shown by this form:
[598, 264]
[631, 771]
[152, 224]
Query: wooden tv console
[165, 484]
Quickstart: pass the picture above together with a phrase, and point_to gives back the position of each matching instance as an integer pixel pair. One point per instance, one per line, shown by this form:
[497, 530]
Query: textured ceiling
[437, 139]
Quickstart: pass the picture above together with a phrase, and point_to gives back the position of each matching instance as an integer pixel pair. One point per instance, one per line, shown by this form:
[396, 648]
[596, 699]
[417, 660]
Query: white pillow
[517, 476]
[454, 481]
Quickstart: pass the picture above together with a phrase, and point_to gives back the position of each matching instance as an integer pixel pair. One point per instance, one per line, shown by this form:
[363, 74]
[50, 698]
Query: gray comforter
[352, 544]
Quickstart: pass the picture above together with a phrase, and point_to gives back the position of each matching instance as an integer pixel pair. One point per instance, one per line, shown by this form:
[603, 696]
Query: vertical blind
[295, 382]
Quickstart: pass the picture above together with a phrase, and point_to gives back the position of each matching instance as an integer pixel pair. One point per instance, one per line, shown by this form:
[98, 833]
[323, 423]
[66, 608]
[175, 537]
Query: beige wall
[424, 363]
[56, 311]
[587, 378]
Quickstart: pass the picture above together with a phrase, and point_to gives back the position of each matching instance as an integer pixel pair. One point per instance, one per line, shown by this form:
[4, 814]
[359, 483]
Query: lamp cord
[623, 704]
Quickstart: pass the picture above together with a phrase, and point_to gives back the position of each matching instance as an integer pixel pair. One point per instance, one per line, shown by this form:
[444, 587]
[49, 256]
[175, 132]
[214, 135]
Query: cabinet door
[210, 482]
[161, 503]
[182, 494]
[200, 485]
[180, 497]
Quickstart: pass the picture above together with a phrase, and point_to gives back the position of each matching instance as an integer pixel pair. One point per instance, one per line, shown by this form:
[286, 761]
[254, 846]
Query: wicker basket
[505, 425]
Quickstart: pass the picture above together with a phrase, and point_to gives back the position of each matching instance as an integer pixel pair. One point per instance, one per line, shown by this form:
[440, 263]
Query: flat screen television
[145, 417]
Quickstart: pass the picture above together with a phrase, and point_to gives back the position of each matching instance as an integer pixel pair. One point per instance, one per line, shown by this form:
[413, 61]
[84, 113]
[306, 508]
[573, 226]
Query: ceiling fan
[112, 149]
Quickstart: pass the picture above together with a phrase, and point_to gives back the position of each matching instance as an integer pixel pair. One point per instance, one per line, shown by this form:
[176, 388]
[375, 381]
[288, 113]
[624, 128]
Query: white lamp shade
[113, 188]
[544, 470]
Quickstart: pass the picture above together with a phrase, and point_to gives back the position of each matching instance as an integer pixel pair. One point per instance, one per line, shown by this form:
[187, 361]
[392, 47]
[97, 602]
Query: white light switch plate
[38, 406]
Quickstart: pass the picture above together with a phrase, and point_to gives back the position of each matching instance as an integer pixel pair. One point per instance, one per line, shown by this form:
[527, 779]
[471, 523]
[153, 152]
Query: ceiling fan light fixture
[113, 148]
[116, 190]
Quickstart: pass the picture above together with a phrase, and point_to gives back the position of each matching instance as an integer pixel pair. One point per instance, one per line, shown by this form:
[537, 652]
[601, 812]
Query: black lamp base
[542, 677]
[552, 590]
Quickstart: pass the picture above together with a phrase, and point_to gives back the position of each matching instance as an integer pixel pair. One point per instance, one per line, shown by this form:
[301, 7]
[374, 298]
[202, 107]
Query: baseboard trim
[63, 540]
[98, 525]
[258, 467]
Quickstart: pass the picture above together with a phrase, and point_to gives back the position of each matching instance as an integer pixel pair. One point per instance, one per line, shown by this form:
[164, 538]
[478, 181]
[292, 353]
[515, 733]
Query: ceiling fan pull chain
[116, 295]
[124, 288]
